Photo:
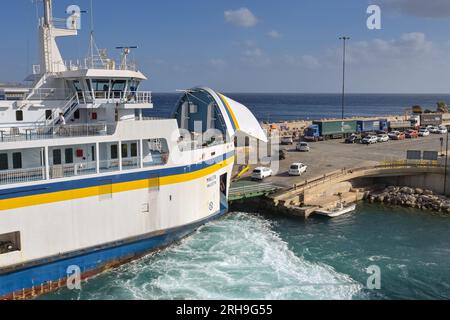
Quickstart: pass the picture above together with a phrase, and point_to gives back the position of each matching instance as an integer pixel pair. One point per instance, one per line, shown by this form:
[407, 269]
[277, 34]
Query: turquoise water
[248, 256]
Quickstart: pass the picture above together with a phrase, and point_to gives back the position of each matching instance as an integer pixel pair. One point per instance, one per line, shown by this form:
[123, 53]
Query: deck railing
[130, 163]
[72, 170]
[109, 165]
[114, 97]
[22, 175]
[34, 132]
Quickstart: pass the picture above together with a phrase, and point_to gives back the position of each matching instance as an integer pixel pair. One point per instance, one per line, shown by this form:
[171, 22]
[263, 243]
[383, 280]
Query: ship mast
[48, 15]
[51, 59]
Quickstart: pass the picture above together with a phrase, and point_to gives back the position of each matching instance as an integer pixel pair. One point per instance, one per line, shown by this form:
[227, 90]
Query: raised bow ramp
[216, 111]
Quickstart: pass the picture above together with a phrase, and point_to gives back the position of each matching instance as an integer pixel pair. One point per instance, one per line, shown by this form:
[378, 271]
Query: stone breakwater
[412, 198]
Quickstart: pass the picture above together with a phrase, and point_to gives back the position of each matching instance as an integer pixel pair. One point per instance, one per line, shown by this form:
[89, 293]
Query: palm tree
[442, 107]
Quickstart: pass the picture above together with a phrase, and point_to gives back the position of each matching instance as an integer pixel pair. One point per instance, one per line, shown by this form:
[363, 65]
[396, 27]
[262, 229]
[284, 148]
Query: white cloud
[274, 34]
[217, 63]
[305, 61]
[242, 17]
[419, 8]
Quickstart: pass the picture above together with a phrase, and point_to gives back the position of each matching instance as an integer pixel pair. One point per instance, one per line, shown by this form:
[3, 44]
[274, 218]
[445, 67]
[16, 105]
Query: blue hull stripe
[36, 276]
[107, 179]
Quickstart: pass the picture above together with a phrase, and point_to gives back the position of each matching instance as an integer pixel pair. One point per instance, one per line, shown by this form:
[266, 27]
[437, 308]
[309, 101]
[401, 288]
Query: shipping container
[368, 125]
[336, 128]
[431, 119]
[399, 125]
[384, 125]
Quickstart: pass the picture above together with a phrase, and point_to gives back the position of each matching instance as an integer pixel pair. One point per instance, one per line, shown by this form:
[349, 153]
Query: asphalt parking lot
[332, 155]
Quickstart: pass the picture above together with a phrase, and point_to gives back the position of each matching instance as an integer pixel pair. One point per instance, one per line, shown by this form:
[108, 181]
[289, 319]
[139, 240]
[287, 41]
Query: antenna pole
[92, 35]
[48, 15]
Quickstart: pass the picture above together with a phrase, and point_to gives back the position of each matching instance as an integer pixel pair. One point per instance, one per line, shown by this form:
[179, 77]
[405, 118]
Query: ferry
[88, 182]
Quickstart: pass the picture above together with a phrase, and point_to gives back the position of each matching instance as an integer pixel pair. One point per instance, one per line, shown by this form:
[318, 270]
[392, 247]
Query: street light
[344, 40]
[446, 166]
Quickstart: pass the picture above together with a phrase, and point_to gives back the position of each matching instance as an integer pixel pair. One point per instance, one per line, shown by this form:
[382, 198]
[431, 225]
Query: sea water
[284, 107]
[252, 256]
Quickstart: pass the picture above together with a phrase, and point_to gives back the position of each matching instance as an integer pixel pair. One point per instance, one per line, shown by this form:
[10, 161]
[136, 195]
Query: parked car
[383, 137]
[282, 154]
[412, 134]
[443, 130]
[303, 147]
[261, 173]
[397, 135]
[287, 141]
[353, 139]
[297, 169]
[370, 140]
[435, 130]
[424, 132]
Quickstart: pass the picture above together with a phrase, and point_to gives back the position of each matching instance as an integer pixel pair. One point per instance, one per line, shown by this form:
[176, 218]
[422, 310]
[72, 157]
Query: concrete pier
[338, 171]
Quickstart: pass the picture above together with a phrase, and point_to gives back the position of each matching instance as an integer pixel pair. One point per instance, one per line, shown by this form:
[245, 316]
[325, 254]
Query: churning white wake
[239, 257]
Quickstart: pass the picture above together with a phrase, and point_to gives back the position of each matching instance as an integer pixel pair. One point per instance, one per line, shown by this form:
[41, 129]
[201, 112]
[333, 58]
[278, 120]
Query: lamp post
[446, 166]
[344, 40]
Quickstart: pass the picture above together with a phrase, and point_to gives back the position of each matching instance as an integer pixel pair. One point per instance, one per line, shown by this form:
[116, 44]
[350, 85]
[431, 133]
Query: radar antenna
[124, 56]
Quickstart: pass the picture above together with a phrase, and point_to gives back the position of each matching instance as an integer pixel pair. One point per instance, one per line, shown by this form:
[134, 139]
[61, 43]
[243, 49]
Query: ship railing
[131, 163]
[114, 97]
[43, 94]
[99, 64]
[72, 170]
[22, 175]
[43, 132]
[109, 165]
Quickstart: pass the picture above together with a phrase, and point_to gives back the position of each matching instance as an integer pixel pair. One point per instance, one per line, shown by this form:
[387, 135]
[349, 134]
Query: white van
[297, 169]
[303, 147]
[261, 173]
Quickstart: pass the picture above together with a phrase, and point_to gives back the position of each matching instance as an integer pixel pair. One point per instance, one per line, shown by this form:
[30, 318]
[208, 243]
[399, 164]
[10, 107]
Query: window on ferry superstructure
[57, 159]
[134, 150]
[19, 115]
[124, 151]
[114, 152]
[3, 161]
[69, 155]
[17, 160]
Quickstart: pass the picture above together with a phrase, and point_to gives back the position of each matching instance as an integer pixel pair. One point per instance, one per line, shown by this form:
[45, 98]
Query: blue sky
[254, 45]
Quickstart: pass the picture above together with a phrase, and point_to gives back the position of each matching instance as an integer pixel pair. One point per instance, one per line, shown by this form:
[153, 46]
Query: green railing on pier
[252, 191]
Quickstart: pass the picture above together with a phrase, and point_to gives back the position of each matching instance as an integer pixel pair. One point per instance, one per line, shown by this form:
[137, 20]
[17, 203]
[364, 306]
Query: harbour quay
[338, 171]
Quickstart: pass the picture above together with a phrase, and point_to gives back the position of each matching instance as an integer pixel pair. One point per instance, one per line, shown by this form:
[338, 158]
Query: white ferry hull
[118, 221]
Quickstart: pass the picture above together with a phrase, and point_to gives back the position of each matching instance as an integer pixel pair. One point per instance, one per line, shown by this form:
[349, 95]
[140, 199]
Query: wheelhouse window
[100, 85]
[19, 115]
[3, 161]
[17, 160]
[118, 87]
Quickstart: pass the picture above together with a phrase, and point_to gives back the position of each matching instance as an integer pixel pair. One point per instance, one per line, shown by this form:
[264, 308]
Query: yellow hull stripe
[233, 116]
[60, 196]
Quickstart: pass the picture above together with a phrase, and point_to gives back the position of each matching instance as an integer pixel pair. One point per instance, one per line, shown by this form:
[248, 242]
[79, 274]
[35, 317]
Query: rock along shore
[411, 197]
